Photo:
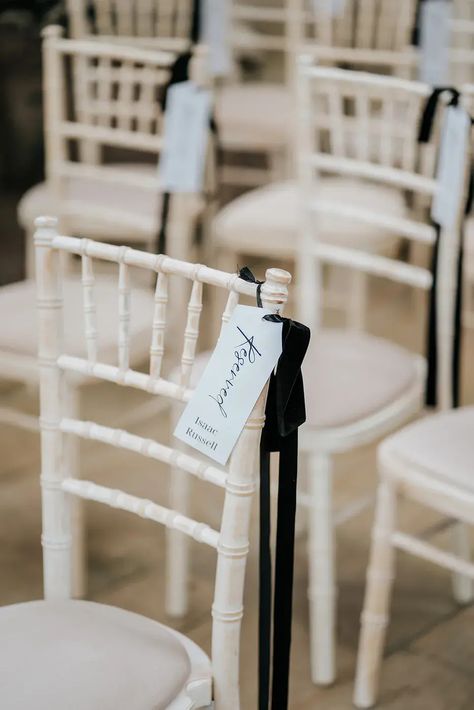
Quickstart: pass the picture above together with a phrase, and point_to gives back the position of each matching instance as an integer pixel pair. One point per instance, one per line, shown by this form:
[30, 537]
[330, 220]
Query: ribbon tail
[284, 570]
[265, 587]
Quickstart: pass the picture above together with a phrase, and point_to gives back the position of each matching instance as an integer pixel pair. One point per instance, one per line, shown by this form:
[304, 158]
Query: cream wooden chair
[115, 97]
[360, 118]
[90, 654]
[159, 24]
[359, 387]
[428, 462]
[461, 50]
[375, 35]
[253, 117]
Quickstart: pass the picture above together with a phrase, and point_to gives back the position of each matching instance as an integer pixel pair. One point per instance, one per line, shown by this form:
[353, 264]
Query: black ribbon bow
[431, 394]
[284, 413]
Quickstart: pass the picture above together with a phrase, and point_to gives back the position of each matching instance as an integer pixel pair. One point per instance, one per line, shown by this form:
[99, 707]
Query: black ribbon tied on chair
[424, 136]
[284, 413]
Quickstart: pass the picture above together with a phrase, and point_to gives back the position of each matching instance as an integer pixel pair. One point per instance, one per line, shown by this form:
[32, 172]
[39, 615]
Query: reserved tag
[237, 371]
[186, 133]
[333, 8]
[435, 18]
[451, 166]
[217, 34]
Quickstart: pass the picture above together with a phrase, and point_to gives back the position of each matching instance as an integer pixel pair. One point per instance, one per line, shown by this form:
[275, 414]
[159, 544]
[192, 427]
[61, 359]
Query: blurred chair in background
[360, 387]
[148, 665]
[156, 24]
[428, 462]
[365, 125]
[114, 104]
[252, 116]
[370, 35]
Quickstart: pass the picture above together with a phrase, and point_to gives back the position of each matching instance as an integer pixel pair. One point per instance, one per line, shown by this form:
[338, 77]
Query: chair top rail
[144, 508]
[363, 78]
[359, 168]
[114, 50]
[161, 263]
[122, 439]
[361, 55]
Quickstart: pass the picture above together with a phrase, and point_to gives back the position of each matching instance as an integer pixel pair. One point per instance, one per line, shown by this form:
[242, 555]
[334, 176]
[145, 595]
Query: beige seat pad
[347, 376]
[441, 445]
[253, 115]
[18, 317]
[133, 211]
[266, 220]
[75, 655]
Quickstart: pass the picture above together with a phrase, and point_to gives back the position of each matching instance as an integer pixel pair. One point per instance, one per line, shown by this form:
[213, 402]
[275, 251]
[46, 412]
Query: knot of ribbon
[284, 413]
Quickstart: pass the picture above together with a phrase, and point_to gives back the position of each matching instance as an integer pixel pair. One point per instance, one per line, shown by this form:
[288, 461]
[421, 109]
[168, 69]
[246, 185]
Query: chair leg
[375, 614]
[72, 466]
[462, 586]
[322, 591]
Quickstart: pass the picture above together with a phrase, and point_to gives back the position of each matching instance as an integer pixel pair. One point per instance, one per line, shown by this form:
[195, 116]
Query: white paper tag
[186, 132]
[217, 34]
[451, 166]
[331, 8]
[241, 363]
[435, 17]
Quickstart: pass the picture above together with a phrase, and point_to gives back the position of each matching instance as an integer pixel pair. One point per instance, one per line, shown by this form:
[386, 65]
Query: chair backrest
[239, 481]
[401, 167]
[112, 106]
[169, 22]
[461, 50]
[372, 34]
[114, 102]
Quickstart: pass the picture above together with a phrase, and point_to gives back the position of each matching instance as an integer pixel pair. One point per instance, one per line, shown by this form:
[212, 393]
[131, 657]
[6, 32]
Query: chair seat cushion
[348, 376]
[440, 445]
[254, 115]
[18, 335]
[75, 655]
[266, 220]
[132, 211]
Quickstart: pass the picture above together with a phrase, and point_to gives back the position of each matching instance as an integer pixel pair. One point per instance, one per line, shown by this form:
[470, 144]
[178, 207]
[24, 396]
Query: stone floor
[430, 650]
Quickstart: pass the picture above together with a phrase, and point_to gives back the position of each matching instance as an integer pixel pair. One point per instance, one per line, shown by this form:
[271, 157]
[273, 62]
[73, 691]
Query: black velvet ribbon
[431, 393]
[284, 413]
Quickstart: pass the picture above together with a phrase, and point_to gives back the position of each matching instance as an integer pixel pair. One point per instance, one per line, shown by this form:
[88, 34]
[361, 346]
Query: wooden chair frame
[400, 480]
[416, 176]
[115, 94]
[239, 481]
[369, 34]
